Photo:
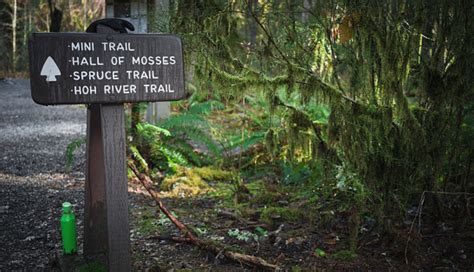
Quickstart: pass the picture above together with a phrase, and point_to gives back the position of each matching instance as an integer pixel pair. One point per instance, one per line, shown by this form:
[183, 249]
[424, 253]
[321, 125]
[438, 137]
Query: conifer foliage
[395, 75]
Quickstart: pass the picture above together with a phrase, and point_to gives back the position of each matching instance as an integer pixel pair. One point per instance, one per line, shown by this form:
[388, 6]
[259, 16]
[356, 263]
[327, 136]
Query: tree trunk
[252, 25]
[56, 17]
[305, 13]
[26, 28]
[84, 23]
[14, 24]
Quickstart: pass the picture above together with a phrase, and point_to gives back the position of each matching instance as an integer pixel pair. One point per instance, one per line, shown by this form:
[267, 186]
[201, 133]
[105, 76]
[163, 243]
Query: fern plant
[191, 131]
[183, 139]
[150, 142]
[71, 148]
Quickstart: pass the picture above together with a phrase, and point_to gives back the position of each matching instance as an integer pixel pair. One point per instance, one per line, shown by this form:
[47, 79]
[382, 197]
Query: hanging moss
[396, 77]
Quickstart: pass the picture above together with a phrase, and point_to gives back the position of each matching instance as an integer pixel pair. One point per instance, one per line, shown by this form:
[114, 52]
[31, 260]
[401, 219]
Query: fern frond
[205, 108]
[71, 147]
[182, 119]
[198, 135]
[172, 156]
[189, 152]
[245, 143]
[150, 132]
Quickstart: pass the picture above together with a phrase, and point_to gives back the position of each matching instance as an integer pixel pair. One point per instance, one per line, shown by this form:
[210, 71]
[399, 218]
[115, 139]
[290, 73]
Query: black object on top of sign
[85, 68]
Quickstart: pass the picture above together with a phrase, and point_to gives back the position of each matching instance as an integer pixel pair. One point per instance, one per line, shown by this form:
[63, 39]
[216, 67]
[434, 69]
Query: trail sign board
[87, 68]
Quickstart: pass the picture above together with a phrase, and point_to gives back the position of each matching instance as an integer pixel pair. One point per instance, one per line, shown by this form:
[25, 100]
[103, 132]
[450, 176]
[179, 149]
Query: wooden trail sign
[85, 68]
[104, 70]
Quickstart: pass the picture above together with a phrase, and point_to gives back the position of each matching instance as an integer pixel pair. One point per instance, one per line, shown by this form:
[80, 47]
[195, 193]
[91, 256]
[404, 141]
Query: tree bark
[14, 25]
[56, 17]
[252, 25]
[305, 13]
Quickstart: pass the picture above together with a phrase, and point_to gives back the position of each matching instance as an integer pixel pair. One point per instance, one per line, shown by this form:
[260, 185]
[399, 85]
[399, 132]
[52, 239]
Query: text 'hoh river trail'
[89, 68]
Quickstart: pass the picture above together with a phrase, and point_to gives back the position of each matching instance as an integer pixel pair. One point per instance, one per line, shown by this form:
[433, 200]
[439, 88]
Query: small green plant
[243, 235]
[200, 230]
[271, 214]
[319, 252]
[261, 232]
[71, 147]
[163, 220]
[152, 222]
[344, 255]
[352, 195]
[295, 173]
[247, 236]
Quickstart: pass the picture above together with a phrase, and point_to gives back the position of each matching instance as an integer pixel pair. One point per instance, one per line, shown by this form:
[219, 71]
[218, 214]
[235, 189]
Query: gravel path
[33, 177]
[34, 183]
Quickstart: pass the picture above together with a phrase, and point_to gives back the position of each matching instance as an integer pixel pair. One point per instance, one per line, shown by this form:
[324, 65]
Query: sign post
[87, 68]
[105, 70]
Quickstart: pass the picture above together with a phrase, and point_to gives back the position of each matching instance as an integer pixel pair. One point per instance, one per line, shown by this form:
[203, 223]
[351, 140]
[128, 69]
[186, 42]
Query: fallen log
[191, 238]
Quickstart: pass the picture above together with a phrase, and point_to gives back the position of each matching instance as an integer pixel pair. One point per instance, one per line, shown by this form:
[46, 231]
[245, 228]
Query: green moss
[246, 211]
[271, 214]
[265, 193]
[184, 179]
[148, 226]
[266, 197]
[214, 174]
[192, 181]
[222, 190]
[344, 255]
[173, 182]
[256, 187]
[148, 222]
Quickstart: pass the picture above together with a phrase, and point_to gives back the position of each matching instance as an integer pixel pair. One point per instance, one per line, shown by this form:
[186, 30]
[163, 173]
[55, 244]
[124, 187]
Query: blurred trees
[19, 18]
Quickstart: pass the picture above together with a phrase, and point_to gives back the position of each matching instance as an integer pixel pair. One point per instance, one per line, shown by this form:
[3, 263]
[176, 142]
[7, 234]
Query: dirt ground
[291, 245]
[34, 182]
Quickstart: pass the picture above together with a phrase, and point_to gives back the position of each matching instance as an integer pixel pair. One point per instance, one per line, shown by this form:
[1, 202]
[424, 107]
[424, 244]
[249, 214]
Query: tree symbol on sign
[50, 70]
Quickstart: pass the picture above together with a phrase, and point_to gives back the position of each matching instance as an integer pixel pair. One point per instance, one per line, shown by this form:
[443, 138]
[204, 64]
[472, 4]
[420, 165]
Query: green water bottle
[68, 229]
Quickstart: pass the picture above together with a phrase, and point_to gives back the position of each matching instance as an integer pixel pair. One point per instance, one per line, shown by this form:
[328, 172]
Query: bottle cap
[67, 207]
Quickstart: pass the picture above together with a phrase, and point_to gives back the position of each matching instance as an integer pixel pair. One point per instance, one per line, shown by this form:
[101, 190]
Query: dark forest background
[349, 116]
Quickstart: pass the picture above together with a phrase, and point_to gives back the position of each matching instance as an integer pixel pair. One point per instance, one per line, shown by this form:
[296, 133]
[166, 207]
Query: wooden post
[106, 200]
[95, 242]
[116, 187]
[55, 80]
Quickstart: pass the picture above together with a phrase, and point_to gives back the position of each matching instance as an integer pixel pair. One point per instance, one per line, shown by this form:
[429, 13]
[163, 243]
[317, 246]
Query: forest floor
[293, 245]
[34, 182]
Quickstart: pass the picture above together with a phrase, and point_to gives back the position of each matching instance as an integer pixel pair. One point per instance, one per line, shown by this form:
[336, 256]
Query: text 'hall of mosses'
[138, 67]
[87, 68]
